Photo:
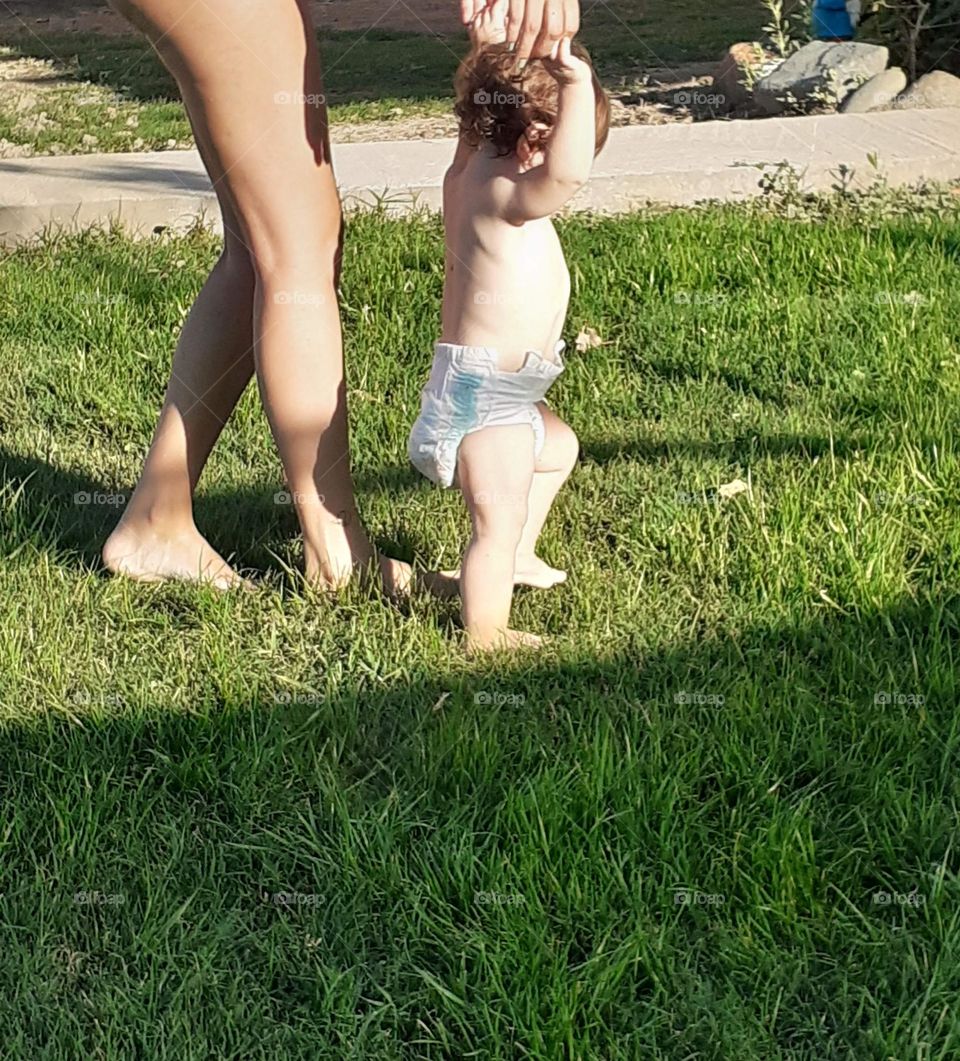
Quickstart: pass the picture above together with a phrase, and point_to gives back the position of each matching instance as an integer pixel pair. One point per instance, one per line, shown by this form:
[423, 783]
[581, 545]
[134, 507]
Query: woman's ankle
[332, 553]
[157, 522]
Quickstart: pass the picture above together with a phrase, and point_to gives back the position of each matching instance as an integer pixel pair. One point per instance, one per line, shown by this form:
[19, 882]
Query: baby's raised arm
[570, 148]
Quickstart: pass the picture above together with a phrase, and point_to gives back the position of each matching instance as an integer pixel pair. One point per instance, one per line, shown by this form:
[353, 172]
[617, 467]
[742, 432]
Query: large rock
[737, 70]
[820, 67]
[937, 89]
[880, 93]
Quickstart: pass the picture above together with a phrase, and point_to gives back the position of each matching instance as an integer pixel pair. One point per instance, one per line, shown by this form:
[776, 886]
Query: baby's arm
[495, 470]
[570, 148]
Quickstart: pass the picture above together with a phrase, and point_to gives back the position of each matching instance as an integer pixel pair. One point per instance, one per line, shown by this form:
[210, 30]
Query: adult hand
[490, 26]
[534, 26]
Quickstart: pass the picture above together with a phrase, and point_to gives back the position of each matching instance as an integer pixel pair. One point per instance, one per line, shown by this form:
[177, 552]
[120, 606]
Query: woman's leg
[157, 538]
[250, 77]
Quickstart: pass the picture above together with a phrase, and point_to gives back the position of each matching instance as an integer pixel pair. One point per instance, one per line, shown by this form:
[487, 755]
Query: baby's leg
[494, 470]
[553, 467]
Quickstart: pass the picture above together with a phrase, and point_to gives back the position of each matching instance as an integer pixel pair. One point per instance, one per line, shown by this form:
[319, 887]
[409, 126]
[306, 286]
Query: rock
[936, 89]
[737, 70]
[878, 94]
[820, 67]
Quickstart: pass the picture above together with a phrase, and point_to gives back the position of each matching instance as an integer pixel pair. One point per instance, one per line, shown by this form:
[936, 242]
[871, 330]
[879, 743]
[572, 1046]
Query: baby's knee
[565, 445]
[571, 447]
[499, 522]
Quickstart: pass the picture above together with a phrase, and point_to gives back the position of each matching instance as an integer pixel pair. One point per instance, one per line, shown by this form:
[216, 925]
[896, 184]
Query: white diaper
[467, 392]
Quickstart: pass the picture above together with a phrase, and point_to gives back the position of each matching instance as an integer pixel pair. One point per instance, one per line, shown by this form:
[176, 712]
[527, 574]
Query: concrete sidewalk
[672, 164]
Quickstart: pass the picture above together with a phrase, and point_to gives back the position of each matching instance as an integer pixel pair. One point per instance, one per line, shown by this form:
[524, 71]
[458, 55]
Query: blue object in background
[831, 21]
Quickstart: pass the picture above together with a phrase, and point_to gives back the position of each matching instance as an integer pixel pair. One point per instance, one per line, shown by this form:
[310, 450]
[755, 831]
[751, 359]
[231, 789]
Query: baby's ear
[524, 148]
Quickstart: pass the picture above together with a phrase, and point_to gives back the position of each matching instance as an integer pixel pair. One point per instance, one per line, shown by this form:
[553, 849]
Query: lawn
[715, 818]
[115, 89]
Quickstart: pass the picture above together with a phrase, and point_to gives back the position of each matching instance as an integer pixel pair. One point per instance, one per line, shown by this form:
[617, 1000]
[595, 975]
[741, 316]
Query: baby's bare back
[506, 285]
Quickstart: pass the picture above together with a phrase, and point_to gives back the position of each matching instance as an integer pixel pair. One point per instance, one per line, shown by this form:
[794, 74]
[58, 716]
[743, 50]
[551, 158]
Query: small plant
[866, 201]
[832, 93]
[788, 28]
[921, 33]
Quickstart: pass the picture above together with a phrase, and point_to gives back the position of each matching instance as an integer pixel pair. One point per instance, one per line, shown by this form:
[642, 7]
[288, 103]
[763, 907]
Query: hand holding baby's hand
[489, 25]
[566, 67]
[534, 27]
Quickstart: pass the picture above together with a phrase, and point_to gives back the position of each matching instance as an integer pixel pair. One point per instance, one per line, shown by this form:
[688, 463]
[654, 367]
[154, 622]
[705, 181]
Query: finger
[571, 18]
[515, 11]
[469, 9]
[551, 29]
[529, 25]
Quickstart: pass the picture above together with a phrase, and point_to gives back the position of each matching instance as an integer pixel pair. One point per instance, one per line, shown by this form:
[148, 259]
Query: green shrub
[923, 35]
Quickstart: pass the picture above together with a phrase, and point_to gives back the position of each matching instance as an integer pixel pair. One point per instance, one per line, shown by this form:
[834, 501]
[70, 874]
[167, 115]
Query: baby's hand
[566, 67]
[489, 26]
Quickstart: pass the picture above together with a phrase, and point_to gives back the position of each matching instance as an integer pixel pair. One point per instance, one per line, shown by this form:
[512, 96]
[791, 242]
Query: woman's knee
[236, 264]
[291, 246]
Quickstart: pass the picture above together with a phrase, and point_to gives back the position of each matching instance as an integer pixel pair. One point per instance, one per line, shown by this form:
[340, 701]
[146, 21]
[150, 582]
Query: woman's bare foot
[395, 577]
[532, 571]
[391, 577]
[502, 640]
[442, 584]
[146, 555]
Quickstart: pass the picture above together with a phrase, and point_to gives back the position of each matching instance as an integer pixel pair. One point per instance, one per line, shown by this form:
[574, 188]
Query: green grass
[373, 75]
[480, 859]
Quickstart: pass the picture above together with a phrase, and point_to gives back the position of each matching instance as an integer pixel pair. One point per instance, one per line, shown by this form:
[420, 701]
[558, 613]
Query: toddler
[527, 143]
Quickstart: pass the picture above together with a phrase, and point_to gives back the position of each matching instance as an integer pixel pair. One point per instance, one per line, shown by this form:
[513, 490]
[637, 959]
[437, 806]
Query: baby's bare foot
[529, 572]
[502, 640]
[532, 571]
[146, 555]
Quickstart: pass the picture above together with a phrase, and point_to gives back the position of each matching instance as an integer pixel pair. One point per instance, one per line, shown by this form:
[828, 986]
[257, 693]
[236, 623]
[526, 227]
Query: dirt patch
[62, 16]
[439, 127]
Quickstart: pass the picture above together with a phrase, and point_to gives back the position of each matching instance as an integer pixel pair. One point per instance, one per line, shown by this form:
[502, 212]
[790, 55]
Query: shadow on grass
[624, 38]
[71, 514]
[391, 803]
[749, 447]
[907, 241]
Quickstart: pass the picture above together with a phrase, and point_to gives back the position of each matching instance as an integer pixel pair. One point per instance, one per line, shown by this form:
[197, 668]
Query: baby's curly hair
[496, 104]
